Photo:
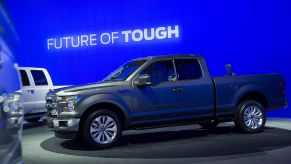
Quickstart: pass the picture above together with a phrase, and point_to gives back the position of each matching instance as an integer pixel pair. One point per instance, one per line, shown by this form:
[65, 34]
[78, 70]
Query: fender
[103, 98]
[244, 90]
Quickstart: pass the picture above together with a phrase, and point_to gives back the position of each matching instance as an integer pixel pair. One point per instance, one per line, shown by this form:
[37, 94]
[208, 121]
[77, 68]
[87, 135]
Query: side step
[34, 115]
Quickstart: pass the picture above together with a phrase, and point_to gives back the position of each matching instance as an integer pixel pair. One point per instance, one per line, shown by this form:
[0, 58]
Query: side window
[160, 71]
[188, 69]
[24, 78]
[39, 77]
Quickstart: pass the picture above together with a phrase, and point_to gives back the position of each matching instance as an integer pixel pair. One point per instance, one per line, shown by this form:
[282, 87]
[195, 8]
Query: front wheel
[102, 128]
[250, 117]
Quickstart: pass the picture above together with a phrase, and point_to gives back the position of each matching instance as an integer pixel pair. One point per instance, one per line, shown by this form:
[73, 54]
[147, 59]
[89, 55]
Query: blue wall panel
[254, 36]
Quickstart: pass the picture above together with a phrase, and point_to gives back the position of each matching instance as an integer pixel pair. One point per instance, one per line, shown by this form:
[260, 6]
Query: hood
[80, 88]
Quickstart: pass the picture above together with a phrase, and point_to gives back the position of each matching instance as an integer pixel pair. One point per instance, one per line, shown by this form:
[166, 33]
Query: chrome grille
[52, 105]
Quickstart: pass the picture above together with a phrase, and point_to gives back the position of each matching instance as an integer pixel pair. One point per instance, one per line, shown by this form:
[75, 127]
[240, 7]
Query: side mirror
[143, 80]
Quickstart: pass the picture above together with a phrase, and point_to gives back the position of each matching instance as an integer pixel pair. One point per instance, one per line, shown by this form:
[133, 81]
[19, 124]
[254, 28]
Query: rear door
[195, 91]
[27, 90]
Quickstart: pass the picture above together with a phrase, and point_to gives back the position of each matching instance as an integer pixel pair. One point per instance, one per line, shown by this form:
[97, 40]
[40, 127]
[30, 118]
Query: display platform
[177, 144]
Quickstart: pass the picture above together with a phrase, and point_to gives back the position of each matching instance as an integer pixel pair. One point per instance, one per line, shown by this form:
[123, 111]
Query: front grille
[52, 105]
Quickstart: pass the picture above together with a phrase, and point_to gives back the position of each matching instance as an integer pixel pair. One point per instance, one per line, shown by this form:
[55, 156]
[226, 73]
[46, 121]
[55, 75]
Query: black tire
[257, 123]
[33, 120]
[211, 124]
[92, 122]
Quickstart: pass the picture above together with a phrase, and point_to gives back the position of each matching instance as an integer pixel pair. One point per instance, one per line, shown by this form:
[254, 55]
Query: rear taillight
[282, 86]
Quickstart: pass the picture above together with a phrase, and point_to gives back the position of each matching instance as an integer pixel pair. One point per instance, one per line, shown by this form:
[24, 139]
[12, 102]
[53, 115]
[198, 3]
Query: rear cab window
[39, 77]
[188, 69]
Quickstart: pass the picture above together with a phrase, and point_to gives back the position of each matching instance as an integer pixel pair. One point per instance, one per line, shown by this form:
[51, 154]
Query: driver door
[158, 99]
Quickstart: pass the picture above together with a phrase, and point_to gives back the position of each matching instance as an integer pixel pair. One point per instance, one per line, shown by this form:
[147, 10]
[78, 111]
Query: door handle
[31, 91]
[177, 90]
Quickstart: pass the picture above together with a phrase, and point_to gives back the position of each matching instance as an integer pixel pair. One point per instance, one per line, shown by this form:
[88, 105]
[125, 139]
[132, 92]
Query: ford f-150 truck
[159, 91]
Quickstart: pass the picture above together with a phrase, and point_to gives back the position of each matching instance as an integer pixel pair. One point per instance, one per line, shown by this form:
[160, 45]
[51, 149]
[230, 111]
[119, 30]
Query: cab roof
[166, 57]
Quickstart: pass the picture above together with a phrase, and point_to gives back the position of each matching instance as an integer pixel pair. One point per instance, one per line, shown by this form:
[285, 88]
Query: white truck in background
[36, 82]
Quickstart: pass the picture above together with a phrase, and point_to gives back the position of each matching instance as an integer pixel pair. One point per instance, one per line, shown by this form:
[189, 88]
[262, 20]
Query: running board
[34, 115]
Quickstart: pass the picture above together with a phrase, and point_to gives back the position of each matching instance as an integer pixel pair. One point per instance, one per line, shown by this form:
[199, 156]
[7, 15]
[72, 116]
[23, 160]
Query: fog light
[63, 123]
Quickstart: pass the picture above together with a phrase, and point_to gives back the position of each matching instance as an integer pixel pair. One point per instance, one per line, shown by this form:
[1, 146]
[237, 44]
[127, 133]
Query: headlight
[12, 103]
[69, 103]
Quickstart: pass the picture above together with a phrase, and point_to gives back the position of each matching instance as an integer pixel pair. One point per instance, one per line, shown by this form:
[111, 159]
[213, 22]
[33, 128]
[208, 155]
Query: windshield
[123, 72]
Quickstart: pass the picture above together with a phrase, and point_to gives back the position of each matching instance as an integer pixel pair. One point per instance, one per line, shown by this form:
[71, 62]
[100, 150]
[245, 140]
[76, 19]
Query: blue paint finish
[254, 36]
[160, 97]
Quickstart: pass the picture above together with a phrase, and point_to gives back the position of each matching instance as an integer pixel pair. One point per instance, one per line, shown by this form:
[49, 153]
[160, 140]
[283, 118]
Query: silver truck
[36, 82]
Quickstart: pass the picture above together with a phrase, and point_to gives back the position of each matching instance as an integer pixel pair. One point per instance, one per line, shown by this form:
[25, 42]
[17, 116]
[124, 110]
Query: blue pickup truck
[162, 91]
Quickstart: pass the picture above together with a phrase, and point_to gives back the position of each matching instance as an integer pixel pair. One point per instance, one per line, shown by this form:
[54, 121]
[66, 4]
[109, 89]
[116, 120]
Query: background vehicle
[10, 100]
[162, 90]
[36, 82]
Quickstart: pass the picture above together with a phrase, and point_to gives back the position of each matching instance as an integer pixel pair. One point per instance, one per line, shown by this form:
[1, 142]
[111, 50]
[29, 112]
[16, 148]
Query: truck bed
[231, 89]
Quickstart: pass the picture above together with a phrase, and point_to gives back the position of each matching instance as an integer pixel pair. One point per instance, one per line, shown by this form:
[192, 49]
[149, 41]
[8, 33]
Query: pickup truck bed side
[230, 91]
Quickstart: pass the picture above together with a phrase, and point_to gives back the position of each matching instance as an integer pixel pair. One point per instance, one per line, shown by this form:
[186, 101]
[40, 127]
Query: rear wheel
[250, 117]
[102, 128]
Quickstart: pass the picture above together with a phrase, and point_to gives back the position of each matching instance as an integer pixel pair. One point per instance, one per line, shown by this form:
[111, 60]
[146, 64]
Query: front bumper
[63, 124]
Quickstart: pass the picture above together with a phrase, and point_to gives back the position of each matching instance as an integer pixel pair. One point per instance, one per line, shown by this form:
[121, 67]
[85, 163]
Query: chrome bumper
[64, 124]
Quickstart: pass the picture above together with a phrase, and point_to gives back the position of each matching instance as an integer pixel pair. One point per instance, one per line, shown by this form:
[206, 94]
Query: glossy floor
[179, 144]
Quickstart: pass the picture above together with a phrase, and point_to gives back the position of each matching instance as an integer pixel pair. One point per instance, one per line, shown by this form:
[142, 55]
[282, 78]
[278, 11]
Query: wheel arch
[253, 95]
[104, 101]
[105, 105]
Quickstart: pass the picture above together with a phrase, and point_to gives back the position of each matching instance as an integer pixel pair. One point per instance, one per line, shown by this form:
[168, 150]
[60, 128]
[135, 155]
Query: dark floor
[179, 144]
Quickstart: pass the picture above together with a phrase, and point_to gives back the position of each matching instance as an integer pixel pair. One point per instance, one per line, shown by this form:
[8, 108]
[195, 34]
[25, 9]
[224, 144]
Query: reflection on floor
[179, 144]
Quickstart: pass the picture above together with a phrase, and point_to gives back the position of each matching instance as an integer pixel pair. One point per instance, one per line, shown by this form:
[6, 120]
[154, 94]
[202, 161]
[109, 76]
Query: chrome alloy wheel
[253, 117]
[103, 129]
